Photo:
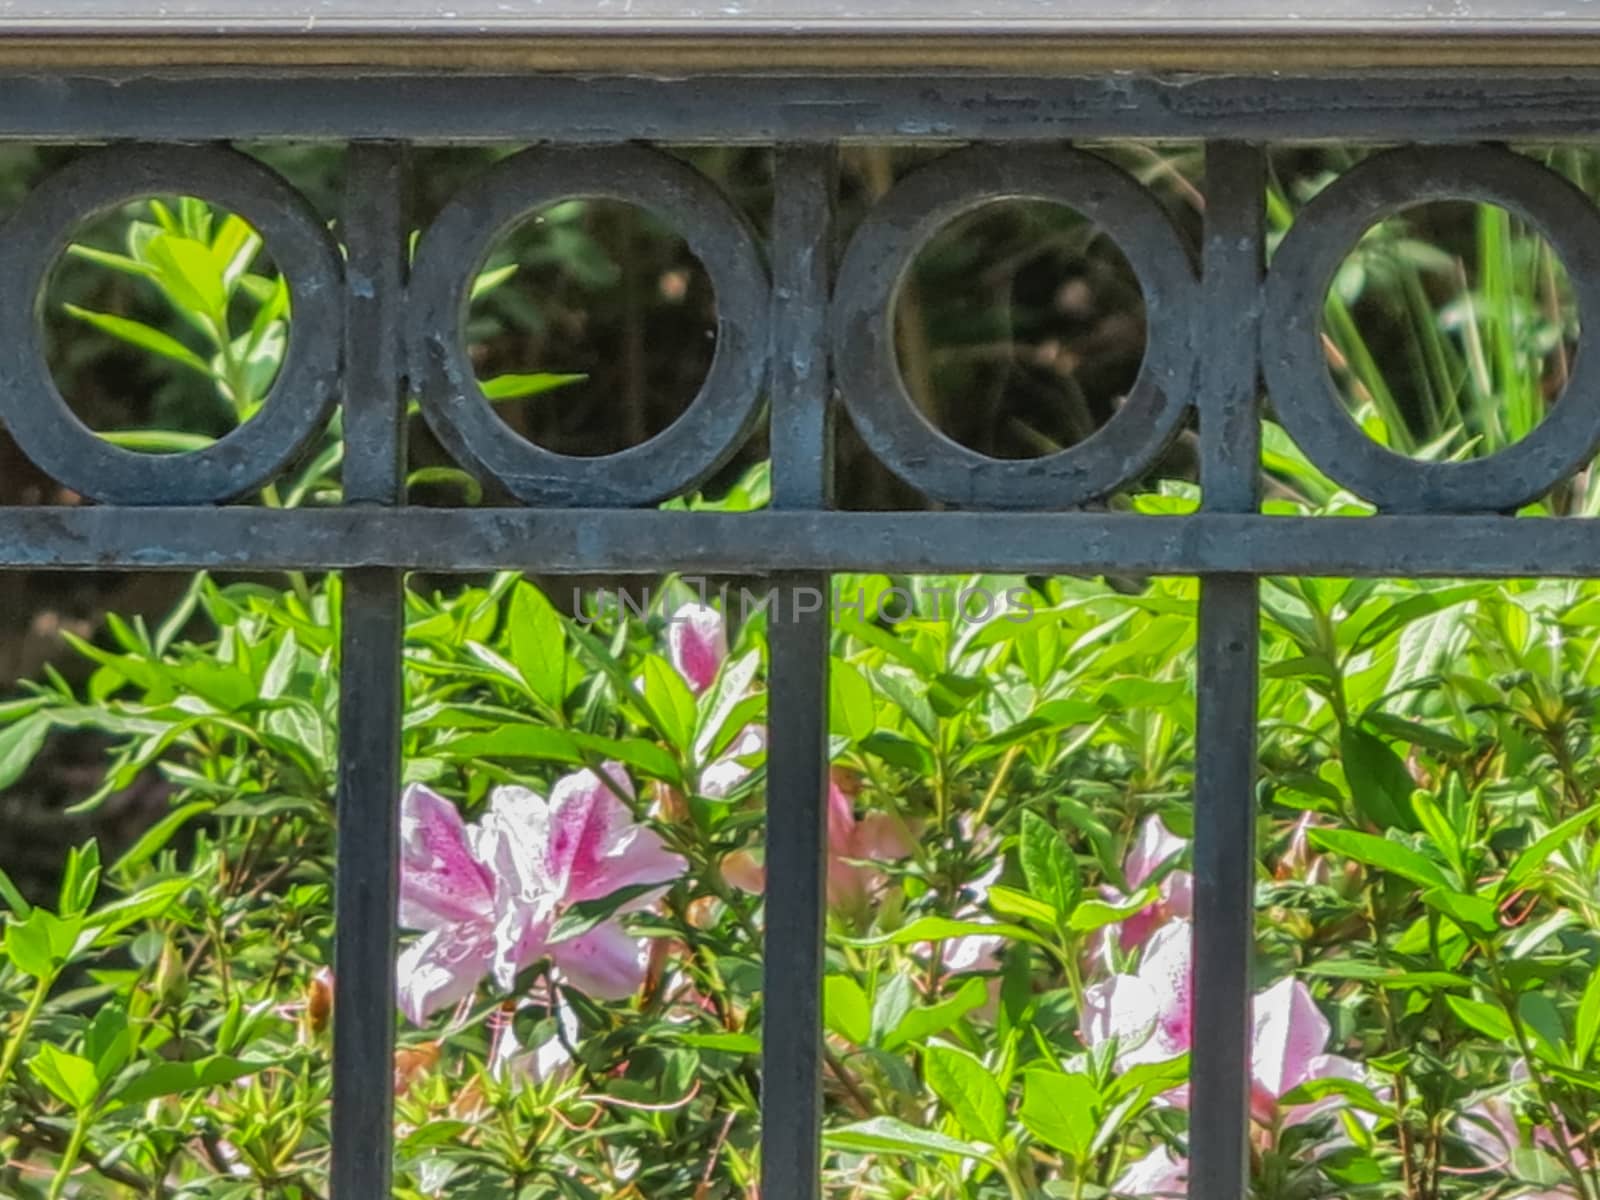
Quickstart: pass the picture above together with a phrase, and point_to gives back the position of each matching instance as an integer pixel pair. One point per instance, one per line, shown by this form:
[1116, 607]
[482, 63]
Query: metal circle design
[1296, 367]
[452, 252]
[298, 404]
[877, 261]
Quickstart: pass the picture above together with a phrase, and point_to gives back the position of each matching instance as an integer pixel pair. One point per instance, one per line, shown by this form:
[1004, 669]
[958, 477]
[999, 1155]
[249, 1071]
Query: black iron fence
[801, 322]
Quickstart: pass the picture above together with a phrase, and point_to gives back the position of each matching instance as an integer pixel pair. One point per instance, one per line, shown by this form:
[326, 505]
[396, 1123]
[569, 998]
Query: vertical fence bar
[370, 686]
[1229, 628]
[797, 686]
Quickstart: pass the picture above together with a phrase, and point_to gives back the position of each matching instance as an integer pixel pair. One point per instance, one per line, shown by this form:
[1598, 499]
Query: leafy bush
[1006, 999]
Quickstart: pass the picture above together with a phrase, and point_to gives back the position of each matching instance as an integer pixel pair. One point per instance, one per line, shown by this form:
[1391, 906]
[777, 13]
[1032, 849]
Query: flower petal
[604, 963]
[442, 967]
[1167, 968]
[732, 769]
[442, 882]
[1123, 1007]
[742, 871]
[511, 841]
[881, 836]
[1290, 1034]
[519, 940]
[1327, 1066]
[697, 642]
[1155, 1175]
[1152, 847]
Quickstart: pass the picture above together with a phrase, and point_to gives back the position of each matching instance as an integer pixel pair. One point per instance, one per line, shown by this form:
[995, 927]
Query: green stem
[1014, 1185]
[14, 1045]
[69, 1156]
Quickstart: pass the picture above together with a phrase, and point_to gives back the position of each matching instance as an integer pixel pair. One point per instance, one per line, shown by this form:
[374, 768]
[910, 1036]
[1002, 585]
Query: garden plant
[1009, 937]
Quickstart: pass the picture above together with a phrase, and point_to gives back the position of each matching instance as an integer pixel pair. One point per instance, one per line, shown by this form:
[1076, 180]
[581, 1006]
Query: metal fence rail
[797, 325]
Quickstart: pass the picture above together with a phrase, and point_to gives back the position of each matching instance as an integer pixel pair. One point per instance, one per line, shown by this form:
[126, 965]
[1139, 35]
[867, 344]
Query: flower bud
[172, 977]
[319, 1000]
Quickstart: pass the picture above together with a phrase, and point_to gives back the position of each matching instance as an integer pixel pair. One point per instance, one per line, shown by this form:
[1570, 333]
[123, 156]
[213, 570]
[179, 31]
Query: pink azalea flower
[1490, 1129]
[486, 895]
[876, 837]
[1154, 848]
[1150, 1016]
[1148, 1013]
[1157, 1175]
[1287, 1050]
[853, 843]
[697, 643]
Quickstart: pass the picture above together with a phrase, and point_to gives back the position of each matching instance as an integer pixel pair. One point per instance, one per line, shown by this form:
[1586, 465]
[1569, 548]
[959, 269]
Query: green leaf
[1358, 1094]
[887, 1135]
[1392, 618]
[722, 1043]
[1096, 914]
[968, 1089]
[1474, 914]
[1383, 854]
[538, 742]
[157, 441]
[189, 275]
[1021, 906]
[921, 1023]
[1487, 1019]
[583, 916]
[173, 1078]
[1385, 977]
[846, 1010]
[935, 929]
[14, 898]
[108, 1041]
[20, 743]
[1047, 864]
[116, 262]
[1415, 732]
[645, 757]
[39, 945]
[137, 333]
[154, 839]
[672, 707]
[538, 643]
[1380, 785]
[1535, 856]
[1061, 1110]
[1438, 828]
[1588, 1022]
[471, 489]
[148, 902]
[851, 711]
[519, 387]
[71, 1079]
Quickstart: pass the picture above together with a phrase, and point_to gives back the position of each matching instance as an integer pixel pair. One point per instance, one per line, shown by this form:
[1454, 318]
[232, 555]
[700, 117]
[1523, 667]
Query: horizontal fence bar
[633, 541]
[210, 105]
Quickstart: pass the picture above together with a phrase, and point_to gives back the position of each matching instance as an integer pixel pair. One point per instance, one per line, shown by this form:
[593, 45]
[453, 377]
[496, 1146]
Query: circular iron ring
[1295, 364]
[298, 404]
[453, 251]
[863, 321]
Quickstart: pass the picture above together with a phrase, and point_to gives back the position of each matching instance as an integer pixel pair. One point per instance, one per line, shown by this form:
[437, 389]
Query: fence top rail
[740, 34]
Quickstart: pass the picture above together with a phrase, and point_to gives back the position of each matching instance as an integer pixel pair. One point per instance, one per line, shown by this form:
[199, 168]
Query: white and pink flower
[1150, 1014]
[1154, 850]
[486, 896]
